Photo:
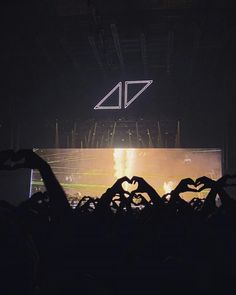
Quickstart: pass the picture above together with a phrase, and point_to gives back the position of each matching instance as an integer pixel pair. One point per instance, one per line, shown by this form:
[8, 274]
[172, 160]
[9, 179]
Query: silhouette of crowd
[120, 243]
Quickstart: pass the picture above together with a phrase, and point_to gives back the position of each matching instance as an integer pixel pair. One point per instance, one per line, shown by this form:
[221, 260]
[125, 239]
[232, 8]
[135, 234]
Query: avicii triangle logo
[100, 106]
[127, 83]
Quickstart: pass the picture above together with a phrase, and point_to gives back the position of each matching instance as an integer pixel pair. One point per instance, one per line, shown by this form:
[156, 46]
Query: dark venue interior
[118, 147]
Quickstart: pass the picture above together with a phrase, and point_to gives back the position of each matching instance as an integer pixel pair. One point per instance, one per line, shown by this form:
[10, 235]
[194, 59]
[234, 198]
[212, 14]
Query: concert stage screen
[89, 172]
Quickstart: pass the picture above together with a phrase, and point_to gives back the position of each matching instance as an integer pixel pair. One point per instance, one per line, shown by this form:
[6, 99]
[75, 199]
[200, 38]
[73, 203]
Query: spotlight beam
[116, 40]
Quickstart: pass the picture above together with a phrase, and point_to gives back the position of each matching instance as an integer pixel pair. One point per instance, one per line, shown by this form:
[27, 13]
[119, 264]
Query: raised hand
[117, 186]
[20, 159]
[206, 182]
[29, 160]
[4, 157]
[143, 186]
[107, 198]
[183, 186]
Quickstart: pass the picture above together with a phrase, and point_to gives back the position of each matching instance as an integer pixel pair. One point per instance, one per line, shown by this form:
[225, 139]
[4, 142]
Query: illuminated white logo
[127, 102]
[117, 107]
[127, 83]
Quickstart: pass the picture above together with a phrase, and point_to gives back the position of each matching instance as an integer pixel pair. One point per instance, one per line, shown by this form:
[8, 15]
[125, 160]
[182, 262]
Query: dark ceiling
[60, 57]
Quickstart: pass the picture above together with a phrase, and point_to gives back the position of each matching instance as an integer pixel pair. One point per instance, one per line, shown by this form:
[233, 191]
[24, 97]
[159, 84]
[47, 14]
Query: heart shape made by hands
[197, 187]
[192, 186]
[129, 186]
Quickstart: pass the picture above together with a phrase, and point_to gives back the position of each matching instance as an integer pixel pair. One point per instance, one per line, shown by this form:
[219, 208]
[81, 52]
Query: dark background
[60, 57]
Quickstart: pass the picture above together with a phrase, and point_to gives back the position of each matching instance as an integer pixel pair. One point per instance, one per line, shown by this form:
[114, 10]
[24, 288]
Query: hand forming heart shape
[189, 185]
[11, 160]
[129, 186]
[139, 185]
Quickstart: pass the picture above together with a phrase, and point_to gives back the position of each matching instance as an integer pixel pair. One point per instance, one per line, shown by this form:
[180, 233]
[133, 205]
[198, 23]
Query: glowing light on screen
[118, 156]
[92, 171]
[168, 186]
[124, 160]
[124, 163]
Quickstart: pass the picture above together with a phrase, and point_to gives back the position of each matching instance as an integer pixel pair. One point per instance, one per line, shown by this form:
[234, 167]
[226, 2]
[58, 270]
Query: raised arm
[57, 196]
[209, 204]
[103, 205]
[176, 202]
[144, 187]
